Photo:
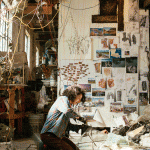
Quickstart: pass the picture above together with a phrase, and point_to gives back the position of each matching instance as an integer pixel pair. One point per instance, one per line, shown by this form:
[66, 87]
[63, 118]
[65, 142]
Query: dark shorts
[55, 143]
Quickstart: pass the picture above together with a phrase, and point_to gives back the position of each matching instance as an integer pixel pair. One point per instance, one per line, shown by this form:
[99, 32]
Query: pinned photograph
[88, 96]
[143, 86]
[91, 80]
[106, 62]
[96, 31]
[86, 87]
[129, 109]
[116, 107]
[131, 100]
[143, 99]
[96, 102]
[115, 53]
[108, 31]
[98, 92]
[102, 54]
[118, 95]
[131, 65]
[118, 62]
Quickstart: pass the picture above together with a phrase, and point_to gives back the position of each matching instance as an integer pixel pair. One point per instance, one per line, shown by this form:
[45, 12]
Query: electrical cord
[81, 9]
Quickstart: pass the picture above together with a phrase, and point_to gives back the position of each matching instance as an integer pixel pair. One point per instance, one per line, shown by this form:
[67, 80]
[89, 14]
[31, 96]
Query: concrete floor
[19, 144]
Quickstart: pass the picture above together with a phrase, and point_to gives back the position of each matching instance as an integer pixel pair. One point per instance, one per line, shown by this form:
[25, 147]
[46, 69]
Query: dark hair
[72, 91]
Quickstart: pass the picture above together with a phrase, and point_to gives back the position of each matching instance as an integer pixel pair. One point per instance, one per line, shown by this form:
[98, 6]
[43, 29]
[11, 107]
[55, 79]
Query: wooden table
[11, 115]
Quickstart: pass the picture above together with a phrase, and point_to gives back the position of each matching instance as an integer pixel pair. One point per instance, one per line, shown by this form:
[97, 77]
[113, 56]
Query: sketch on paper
[86, 87]
[144, 21]
[131, 100]
[131, 27]
[133, 10]
[78, 47]
[131, 90]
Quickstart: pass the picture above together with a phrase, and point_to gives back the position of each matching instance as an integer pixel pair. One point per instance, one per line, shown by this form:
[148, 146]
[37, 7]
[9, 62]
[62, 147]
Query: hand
[82, 120]
[104, 131]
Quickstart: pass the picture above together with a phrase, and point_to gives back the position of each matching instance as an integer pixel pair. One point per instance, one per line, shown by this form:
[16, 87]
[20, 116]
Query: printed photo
[131, 101]
[131, 65]
[108, 31]
[115, 53]
[96, 31]
[129, 109]
[102, 54]
[98, 101]
[116, 107]
[86, 87]
[91, 80]
[106, 62]
[143, 99]
[118, 62]
[143, 86]
[119, 95]
[98, 92]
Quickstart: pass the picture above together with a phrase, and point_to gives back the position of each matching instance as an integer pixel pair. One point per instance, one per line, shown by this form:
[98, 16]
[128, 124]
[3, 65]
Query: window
[27, 46]
[4, 16]
[37, 57]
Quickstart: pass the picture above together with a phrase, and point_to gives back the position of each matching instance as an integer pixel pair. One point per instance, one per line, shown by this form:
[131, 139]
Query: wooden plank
[120, 15]
[104, 19]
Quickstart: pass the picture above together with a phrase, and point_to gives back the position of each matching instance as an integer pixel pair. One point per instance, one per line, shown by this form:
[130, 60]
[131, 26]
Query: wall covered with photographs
[110, 65]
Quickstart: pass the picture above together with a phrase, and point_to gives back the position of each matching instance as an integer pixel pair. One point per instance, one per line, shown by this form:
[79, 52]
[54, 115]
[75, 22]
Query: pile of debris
[137, 131]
